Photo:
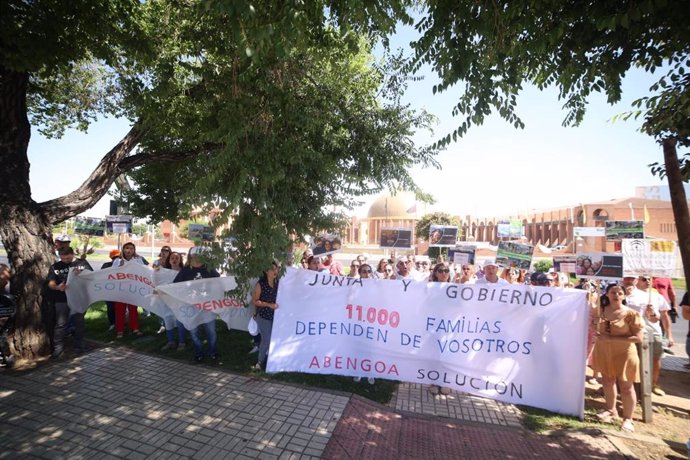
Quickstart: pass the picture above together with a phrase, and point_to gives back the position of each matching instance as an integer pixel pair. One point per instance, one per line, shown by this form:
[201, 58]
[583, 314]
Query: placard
[565, 264]
[620, 229]
[395, 238]
[511, 254]
[443, 235]
[325, 244]
[599, 265]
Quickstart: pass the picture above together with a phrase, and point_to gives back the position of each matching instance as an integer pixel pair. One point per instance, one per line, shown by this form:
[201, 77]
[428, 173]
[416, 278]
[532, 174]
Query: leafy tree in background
[269, 114]
[493, 48]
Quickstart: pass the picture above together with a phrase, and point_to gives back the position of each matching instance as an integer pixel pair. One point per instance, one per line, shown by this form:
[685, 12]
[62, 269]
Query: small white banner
[648, 257]
[191, 302]
[589, 231]
[514, 343]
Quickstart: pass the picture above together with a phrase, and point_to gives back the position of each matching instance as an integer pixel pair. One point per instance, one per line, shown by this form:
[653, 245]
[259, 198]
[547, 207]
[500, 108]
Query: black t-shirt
[58, 272]
[195, 273]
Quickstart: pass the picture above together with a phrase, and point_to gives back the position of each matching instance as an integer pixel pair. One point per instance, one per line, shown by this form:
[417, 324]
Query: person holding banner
[466, 275]
[57, 283]
[617, 331]
[110, 306]
[129, 254]
[264, 299]
[196, 270]
[175, 262]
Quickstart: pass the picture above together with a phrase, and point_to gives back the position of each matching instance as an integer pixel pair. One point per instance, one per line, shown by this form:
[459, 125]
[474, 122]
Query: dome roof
[398, 206]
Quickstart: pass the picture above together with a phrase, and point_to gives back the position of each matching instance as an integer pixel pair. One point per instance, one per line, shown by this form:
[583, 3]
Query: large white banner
[191, 302]
[648, 257]
[515, 343]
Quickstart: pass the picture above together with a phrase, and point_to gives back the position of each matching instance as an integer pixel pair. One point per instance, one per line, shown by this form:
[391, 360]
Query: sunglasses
[365, 270]
[443, 270]
[389, 270]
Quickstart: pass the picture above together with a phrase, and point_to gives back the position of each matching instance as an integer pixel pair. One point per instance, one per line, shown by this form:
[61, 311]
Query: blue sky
[495, 170]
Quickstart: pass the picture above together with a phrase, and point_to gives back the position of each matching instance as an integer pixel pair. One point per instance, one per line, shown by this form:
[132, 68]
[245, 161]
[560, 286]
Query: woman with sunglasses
[440, 274]
[617, 330]
[511, 275]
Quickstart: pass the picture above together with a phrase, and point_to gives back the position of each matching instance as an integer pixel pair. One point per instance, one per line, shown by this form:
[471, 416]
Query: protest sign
[90, 226]
[395, 238]
[511, 254]
[200, 232]
[599, 265]
[118, 224]
[620, 229]
[509, 229]
[443, 235]
[325, 244]
[589, 231]
[497, 342]
[461, 255]
[565, 264]
[648, 257]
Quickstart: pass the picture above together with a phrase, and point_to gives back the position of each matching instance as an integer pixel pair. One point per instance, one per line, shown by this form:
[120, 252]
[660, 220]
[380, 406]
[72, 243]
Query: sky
[495, 170]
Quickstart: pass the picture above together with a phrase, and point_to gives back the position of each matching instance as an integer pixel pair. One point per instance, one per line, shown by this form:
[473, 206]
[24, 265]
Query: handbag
[253, 327]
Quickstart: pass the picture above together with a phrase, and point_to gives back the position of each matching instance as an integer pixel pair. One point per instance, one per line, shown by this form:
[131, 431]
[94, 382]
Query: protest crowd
[619, 312]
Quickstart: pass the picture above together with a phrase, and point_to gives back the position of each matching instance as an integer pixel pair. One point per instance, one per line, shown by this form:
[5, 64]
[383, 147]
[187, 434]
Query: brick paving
[114, 403]
[413, 397]
[117, 403]
[370, 431]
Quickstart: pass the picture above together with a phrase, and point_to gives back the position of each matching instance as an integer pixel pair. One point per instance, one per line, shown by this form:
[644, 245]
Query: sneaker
[57, 355]
[257, 366]
[213, 357]
[357, 379]
[628, 426]
[371, 380]
[658, 391]
[198, 359]
[169, 346]
[111, 328]
[180, 347]
[254, 350]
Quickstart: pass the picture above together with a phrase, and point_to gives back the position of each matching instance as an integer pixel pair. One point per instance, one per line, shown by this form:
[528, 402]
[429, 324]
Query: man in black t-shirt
[57, 282]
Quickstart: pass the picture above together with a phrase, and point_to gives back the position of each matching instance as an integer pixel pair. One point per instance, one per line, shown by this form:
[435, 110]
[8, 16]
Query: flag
[646, 214]
[412, 209]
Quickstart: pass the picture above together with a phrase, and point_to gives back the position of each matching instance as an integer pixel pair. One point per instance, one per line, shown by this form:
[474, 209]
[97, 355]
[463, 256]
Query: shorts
[657, 345]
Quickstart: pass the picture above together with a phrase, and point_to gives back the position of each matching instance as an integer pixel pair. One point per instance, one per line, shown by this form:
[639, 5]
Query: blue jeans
[211, 337]
[265, 329]
[181, 333]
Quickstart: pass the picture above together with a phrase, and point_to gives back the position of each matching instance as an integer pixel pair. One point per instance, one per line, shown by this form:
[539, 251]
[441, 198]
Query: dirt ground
[667, 435]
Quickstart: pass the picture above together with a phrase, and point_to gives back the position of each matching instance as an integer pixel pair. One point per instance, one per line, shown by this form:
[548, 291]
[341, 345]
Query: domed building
[387, 211]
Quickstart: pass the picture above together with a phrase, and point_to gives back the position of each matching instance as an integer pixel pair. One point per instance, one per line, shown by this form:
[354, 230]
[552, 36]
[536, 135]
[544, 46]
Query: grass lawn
[233, 347]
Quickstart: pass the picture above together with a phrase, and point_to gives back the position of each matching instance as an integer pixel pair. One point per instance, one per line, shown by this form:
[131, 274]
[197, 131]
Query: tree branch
[98, 183]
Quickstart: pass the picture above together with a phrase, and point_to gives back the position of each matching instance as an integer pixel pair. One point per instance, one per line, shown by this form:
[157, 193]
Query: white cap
[198, 250]
[63, 238]
[490, 263]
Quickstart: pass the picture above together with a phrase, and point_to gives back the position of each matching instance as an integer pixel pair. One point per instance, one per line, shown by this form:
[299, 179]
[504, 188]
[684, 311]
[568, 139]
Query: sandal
[628, 426]
[137, 332]
[607, 416]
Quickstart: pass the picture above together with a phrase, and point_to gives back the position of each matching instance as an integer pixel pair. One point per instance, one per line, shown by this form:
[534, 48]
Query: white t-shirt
[638, 300]
[485, 281]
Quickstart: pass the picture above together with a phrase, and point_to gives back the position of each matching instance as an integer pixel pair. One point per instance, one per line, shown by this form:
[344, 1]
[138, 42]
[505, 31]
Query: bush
[542, 266]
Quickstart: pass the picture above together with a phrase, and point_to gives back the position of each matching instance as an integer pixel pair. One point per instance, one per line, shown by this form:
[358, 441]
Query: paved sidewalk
[117, 403]
[413, 397]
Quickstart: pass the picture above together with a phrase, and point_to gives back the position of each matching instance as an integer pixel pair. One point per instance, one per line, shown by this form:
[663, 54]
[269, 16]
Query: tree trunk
[679, 203]
[28, 239]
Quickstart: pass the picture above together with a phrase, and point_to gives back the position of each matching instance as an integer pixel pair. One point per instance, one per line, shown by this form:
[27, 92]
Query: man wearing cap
[196, 271]
[110, 306]
[490, 269]
[654, 309]
[57, 283]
